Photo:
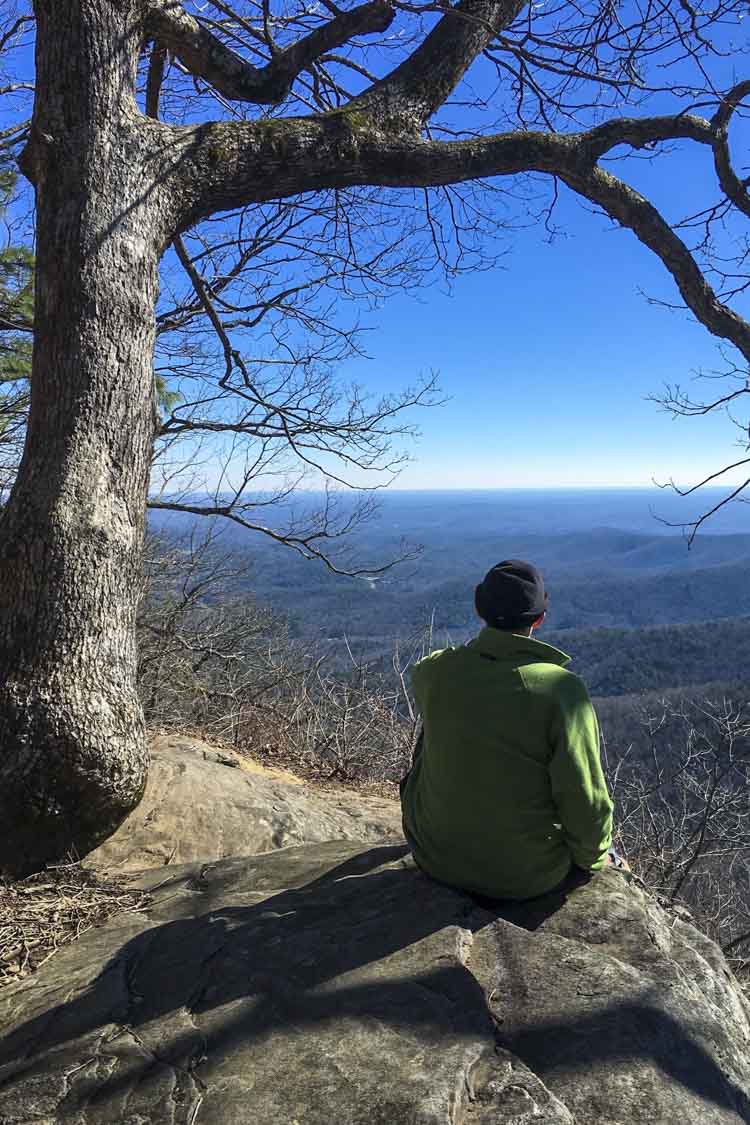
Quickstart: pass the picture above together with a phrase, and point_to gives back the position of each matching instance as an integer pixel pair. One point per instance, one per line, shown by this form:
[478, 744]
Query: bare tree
[207, 651]
[371, 107]
[358, 725]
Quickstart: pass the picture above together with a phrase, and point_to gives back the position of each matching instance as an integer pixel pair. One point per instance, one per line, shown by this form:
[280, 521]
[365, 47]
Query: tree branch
[731, 184]
[630, 209]
[696, 524]
[405, 99]
[230, 164]
[206, 57]
[645, 132]
[306, 542]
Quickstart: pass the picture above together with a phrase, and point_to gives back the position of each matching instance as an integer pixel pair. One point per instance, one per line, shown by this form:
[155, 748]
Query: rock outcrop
[202, 803]
[333, 984]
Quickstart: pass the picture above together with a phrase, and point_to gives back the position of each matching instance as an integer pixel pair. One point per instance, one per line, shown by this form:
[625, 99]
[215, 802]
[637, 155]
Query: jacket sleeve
[420, 677]
[417, 685]
[579, 788]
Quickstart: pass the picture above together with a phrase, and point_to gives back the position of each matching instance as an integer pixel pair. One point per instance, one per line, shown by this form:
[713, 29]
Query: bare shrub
[214, 661]
[207, 651]
[683, 814]
[358, 728]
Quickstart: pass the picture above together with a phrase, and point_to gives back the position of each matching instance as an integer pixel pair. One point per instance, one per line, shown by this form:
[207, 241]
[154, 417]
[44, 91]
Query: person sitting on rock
[506, 797]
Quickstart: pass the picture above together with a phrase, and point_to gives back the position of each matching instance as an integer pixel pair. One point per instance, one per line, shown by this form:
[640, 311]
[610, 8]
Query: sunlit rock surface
[203, 803]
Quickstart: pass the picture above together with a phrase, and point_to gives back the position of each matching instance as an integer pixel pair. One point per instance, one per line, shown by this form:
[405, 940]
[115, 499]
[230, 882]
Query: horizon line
[541, 488]
[385, 490]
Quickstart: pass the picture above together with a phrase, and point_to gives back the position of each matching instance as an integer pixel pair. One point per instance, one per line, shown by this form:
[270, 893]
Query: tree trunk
[72, 752]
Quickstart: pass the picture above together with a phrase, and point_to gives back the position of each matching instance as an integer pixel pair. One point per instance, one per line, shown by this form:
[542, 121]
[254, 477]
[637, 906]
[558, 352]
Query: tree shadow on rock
[353, 948]
[345, 941]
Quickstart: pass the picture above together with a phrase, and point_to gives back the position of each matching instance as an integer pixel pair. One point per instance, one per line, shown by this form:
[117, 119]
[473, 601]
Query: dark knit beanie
[511, 595]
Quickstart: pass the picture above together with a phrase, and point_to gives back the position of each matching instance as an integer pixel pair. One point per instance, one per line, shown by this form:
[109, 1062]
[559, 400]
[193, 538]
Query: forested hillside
[631, 661]
[642, 724]
[599, 576]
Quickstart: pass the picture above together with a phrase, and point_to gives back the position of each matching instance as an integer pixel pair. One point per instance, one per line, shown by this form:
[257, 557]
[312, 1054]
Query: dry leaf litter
[45, 912]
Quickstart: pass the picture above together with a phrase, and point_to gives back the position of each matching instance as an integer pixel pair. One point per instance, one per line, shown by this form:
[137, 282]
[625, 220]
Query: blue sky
[548, 361]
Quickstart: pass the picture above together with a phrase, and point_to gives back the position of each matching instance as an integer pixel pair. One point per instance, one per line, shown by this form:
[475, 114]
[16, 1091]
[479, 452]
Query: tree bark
[72, 752]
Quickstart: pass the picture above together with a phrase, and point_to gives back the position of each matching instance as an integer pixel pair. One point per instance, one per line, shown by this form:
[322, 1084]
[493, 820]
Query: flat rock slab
[334, 985]
[202, 803]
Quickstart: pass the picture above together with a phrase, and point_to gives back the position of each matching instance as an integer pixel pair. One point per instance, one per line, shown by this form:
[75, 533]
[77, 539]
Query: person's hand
[620, 864]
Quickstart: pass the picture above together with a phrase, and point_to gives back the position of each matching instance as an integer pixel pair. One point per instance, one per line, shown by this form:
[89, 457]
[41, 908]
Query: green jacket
[508, 792]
